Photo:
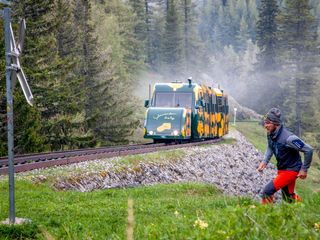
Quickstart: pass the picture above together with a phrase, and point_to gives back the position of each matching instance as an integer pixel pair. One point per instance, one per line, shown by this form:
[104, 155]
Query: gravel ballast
[230, 167]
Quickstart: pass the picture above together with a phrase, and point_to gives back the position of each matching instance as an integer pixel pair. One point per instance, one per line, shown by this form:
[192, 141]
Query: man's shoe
[296, 198]
[268, 200]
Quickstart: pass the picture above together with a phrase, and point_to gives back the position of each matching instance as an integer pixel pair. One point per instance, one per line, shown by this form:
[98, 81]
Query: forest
[87, 61]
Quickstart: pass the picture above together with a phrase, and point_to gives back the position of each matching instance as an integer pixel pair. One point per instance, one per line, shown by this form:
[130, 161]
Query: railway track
[29, 162]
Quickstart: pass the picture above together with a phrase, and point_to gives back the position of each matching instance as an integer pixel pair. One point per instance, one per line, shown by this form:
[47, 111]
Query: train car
[186, 111]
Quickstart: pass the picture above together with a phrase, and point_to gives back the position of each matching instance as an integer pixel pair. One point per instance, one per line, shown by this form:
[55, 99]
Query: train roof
[218, 92]
[176, 86]
[185, 87]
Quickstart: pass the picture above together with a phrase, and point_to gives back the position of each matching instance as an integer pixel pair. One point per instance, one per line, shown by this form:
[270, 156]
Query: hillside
[222, 206]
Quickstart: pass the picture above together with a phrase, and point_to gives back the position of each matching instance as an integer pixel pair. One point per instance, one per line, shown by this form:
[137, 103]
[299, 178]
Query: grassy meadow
[164, 211]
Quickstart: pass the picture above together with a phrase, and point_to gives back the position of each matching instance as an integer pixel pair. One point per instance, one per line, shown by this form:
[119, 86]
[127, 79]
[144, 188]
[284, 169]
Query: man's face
[270, 126]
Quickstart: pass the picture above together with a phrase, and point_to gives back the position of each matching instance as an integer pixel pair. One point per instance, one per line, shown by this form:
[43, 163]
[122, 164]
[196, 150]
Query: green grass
[156, 157]
[172, 211]
[160, 212]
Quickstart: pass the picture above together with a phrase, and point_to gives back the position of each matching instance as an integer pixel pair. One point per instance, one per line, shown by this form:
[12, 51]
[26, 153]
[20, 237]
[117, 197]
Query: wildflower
[252, 206]
[176, 213]
[317, 226]
[201, 224]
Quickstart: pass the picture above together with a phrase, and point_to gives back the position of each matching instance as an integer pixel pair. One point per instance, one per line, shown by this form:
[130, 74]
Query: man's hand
[302, 174]
[261, 167]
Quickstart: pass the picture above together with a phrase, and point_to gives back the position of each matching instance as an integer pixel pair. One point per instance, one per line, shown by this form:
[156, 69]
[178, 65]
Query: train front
[168, 117]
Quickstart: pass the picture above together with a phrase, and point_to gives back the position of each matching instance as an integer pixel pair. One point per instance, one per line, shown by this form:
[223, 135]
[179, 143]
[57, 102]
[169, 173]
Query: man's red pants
[286, 181]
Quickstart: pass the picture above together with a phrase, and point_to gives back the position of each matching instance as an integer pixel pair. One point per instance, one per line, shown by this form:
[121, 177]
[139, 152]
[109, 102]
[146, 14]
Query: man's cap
[274, 116]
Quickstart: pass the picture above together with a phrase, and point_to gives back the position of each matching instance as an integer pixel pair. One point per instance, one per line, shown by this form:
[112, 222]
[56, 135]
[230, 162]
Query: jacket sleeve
[267, 156]
[294, 142]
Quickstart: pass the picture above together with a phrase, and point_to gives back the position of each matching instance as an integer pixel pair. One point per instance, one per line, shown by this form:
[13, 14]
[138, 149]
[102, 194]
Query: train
[188, 111]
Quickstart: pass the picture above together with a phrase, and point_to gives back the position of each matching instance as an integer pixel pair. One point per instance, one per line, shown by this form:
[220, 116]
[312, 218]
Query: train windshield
[173, 99]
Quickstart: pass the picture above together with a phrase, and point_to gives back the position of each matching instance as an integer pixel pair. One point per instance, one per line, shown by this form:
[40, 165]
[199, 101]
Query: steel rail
[61, 154]
[43, 160]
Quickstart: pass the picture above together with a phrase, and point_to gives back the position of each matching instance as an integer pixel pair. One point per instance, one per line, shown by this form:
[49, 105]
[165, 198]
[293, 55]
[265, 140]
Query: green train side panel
[167, 123]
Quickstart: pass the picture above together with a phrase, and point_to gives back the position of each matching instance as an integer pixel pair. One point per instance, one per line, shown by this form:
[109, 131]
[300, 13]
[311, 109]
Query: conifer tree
[172, 40]
[140, 30]
[243, 34]
[89, 68]
[148, 16]
[298, 35]
[205, 23]
[42, 65]
[72, 123]
[193, 52]
[156, 32]
[266, 77]
[113, 120]
[253, 16]
[267, 33]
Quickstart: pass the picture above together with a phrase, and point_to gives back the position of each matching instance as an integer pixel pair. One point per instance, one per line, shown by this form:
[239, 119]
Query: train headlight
[175, 133]
[151, 132]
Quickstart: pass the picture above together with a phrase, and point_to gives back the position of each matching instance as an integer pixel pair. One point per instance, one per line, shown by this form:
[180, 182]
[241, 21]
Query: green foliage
[139, 49]
[267, 34]
[298, 46]
[27, 125]
[70, 130]
[172, 47]
[74, 84]
[114, 107]
[83, 59]
[193, 49]
[27, 121]
[232, 23]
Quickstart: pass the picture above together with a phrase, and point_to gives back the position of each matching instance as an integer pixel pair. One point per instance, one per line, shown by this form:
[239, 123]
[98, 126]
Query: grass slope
[173, 211]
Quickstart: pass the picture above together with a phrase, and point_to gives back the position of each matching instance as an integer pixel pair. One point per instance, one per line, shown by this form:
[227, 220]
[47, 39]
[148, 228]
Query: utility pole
[13, 72]
[7, 19]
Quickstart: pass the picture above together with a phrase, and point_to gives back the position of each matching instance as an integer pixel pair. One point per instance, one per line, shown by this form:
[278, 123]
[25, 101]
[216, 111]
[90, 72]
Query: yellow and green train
[185, 112]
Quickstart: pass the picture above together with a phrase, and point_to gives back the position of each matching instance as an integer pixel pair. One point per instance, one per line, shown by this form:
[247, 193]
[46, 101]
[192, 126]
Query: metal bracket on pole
[15, 53]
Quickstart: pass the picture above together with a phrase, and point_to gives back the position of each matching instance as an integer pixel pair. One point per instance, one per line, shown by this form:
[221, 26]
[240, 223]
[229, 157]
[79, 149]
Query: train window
[164, 100]
[171, 99]
[220, 104]
[183, 100]
[214, 99]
